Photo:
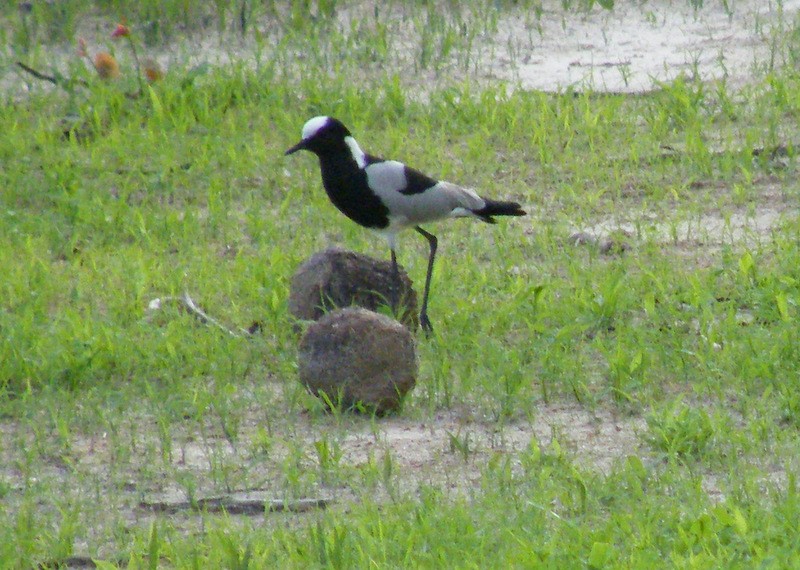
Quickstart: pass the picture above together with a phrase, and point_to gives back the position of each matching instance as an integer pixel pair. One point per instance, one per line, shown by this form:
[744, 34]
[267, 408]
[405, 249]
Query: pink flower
[121, 31]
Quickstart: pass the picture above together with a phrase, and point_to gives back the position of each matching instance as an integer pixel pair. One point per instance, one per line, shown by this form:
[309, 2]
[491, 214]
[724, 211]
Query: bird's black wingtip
[496, 208]
[515, 209]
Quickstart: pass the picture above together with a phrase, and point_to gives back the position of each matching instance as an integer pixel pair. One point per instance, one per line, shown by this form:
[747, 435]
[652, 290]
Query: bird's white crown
[313, 126]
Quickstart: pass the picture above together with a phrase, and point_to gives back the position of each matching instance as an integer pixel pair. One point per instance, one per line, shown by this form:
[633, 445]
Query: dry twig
[234, 506]
[191, 307]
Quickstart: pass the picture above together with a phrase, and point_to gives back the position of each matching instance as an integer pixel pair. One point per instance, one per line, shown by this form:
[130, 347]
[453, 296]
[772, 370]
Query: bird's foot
[426, 325]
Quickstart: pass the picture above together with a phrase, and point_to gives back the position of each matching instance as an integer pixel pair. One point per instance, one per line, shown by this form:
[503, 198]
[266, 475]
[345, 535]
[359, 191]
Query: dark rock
[616, 243]
[336, 278]
[360, 360]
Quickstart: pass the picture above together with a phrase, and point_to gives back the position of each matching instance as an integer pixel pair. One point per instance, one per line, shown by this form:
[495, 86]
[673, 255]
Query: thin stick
[77, 562]
[236, 506]
[51, 78]
[204, 318]
[192, 308]
[138, 66]
[38, 74]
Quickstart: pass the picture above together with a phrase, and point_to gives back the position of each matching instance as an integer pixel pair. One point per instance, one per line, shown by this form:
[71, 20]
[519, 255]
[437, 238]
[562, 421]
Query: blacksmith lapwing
[387, 196]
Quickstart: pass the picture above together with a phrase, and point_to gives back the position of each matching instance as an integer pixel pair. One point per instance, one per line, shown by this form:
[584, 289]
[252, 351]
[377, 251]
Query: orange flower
[106, 66]
[152, 70]
[121, 31]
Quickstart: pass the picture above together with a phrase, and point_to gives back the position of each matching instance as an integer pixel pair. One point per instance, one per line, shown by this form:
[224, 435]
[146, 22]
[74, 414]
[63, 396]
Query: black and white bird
[387, 196]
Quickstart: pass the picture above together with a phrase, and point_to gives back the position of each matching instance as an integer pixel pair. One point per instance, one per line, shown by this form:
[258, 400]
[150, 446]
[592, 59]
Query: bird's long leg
[395, 300]
[424, 321]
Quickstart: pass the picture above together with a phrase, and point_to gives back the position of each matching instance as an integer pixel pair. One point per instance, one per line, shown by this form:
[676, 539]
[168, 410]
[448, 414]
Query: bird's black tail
[497, 208]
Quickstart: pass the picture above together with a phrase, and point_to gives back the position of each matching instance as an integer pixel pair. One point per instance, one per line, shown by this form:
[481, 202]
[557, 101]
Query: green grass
[691, 340]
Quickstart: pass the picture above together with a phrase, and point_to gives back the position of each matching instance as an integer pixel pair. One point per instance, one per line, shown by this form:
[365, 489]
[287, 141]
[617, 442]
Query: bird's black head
[322, 135]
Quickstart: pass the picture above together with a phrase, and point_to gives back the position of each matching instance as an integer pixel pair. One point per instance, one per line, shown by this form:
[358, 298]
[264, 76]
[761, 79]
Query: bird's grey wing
[417, 198]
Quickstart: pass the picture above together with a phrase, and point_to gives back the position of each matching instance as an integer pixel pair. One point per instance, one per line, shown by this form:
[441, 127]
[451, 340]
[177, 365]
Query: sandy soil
[706, 233]
[638, 44]
[422, 453]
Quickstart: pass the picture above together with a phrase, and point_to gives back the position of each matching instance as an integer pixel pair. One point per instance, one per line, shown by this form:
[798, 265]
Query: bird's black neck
[346, 185]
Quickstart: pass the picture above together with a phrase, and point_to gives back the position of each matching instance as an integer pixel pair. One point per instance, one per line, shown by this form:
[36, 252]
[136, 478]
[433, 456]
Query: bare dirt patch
[448, 450]
[702, 234]
[638, 44]
[433, 450]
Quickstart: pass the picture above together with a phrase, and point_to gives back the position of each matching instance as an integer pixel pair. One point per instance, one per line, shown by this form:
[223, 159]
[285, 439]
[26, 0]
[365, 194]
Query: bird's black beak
[299, 146]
